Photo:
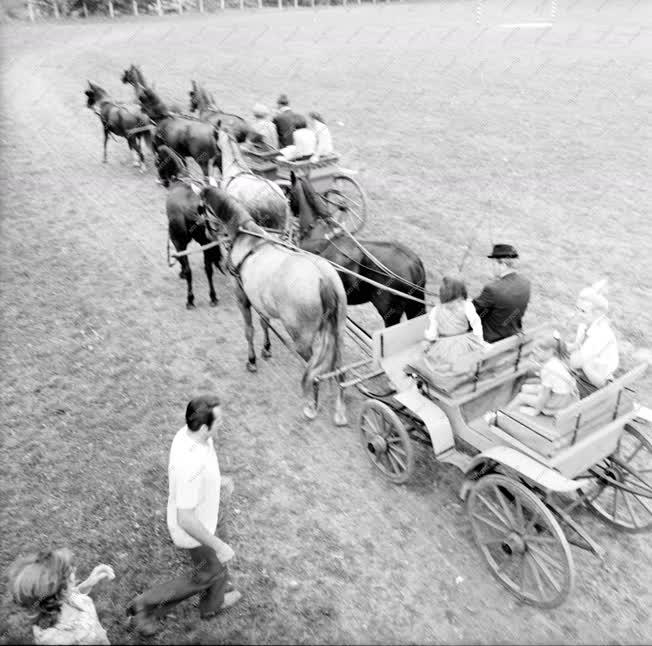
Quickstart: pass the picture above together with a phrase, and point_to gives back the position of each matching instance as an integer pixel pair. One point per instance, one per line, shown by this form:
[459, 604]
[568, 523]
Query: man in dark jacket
[286, 122]
[503, 302]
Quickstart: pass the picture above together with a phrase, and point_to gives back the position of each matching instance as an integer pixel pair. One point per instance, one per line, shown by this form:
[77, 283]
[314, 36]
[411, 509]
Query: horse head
[133, 76]
[194, 100]
[226, 210]
[169, 165]
[306, 204]
[93, 94]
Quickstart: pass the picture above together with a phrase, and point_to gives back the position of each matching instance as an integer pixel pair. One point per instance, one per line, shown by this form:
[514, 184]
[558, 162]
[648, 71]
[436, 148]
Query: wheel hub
[513, 544]
[377, 445]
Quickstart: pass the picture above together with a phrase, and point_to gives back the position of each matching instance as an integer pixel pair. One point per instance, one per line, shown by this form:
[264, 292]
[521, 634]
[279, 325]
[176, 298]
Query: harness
[235, 270]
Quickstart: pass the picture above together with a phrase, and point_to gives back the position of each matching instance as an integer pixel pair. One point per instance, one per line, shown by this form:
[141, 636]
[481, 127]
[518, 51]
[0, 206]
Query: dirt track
[100, 355]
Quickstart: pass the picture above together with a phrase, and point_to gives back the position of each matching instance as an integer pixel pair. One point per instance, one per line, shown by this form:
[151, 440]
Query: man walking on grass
[192, 516]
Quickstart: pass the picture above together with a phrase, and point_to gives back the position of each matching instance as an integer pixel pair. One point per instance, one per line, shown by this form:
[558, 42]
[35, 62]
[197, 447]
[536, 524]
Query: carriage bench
[261, 161]
[319, 172]
[503, 361]
[548, 434]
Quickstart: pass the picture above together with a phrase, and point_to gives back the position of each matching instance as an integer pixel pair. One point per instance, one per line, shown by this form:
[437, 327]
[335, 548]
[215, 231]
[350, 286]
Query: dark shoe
[141, 620]
[145, 624]
[230, 599]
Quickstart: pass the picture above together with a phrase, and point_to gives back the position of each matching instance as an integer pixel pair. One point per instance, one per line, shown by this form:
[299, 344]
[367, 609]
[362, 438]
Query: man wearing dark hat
[286, 122]
[503, 302]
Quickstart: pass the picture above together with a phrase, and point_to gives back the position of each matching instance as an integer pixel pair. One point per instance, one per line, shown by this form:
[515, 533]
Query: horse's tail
[413, 308]
[326, 342]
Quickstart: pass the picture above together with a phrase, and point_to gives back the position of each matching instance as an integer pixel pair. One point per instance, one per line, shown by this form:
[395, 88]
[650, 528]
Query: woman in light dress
[454, 330]
[63, 613]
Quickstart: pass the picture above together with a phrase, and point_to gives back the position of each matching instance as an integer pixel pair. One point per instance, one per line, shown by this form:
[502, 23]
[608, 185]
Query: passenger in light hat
[264, 135]
[260, 111]
[594, 355]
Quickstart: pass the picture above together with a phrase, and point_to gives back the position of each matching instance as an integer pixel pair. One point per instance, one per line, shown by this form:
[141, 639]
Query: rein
[385, 270]
[296, 249]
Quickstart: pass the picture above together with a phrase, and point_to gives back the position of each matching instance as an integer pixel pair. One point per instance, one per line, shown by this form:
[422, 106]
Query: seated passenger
[454, 330]
[594, 354]
[324, 147]
[303, 147]
[264, 128]
[556, 388]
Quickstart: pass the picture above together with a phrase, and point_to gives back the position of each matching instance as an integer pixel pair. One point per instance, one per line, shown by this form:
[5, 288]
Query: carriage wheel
[386, 442]
[346, 203]
[521, 540]
[621, 491]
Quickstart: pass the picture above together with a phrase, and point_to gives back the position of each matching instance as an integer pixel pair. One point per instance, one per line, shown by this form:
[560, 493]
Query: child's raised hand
[103, 571]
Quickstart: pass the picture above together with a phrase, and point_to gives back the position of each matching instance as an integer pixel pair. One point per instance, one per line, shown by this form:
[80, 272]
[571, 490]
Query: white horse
[303, 291]
[263, 198]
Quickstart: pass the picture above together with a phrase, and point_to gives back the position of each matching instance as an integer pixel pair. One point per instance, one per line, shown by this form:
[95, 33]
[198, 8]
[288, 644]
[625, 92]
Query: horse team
[302, 290]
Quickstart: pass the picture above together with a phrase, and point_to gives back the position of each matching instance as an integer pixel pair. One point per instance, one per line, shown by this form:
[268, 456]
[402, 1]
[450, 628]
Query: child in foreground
[63, 613]
[556, 388]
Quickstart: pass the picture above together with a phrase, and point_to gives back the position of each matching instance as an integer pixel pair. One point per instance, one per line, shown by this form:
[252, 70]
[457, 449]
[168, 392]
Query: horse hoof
[190, 306]
[251, 367]
[310, 411]
[214, 303]
[340, 419]
[266, 354]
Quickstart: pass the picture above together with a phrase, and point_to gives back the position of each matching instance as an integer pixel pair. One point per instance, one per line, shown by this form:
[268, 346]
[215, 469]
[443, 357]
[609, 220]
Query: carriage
[344, 196]
[525, 478]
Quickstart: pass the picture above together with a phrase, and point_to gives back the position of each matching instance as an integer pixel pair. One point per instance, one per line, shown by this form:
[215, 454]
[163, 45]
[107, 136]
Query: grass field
[461, 131]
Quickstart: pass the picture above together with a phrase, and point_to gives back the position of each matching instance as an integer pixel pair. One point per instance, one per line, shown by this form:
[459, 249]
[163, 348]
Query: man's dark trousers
[208, 578]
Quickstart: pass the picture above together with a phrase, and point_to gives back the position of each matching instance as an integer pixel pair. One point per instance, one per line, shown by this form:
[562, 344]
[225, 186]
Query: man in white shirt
[192, 517]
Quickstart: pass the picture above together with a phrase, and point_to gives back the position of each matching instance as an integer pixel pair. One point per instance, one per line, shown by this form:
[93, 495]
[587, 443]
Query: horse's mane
[97, 89]
[140, 78]
[154, 101]
[228, 209]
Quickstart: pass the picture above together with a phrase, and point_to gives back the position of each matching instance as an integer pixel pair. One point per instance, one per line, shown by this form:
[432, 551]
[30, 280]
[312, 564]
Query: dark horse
[188, 137]
[120, 119]
[134, 77]
[186, 220]
[318, 236]
[204, 103]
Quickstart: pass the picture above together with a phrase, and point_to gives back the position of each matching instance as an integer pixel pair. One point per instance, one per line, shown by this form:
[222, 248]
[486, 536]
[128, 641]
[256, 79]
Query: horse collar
[236, 269]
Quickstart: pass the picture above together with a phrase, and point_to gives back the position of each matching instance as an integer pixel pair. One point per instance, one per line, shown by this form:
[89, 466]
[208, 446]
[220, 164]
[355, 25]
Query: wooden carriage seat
[325, 167]
[261, 162]
[548, 434]
[506, 359]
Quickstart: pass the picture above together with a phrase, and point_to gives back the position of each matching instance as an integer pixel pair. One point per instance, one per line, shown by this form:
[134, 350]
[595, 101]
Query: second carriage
[345, 198]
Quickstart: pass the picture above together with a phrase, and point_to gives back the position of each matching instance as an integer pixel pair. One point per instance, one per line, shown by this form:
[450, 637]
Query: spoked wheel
[346, 203]
[386, 442]
[621, 491]
[521, 540]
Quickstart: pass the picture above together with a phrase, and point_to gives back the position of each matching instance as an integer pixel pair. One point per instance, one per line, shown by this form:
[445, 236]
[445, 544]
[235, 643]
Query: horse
[186, 220]
[186, 136]
[401, 268]
[304, 292]
[263, 198]
[204, 103]
[134, 77]
[120, 120]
